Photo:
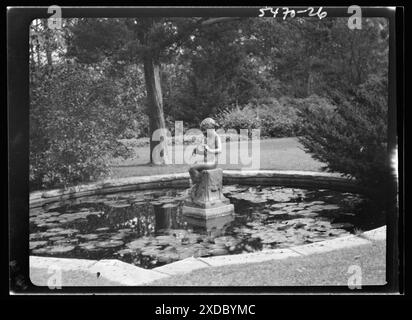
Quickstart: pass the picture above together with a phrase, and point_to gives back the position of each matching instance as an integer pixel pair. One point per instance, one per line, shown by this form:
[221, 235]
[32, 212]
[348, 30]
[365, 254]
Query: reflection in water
[165, 217]
[147, 228]
[215, 226]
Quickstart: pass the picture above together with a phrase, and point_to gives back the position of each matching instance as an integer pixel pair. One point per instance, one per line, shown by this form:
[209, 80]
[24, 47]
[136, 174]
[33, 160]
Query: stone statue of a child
[206, 196]
[211, 147]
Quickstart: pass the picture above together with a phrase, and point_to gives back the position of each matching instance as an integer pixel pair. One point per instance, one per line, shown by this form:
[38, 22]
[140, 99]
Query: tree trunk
[32, 61]
[310, 83]
[49, 56]
[37, 46]
[33, 66]
[154, 98]
[47, 44]
[152, 73]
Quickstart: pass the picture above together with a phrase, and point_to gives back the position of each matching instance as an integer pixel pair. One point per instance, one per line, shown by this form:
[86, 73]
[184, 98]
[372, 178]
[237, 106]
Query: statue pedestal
[206, 199]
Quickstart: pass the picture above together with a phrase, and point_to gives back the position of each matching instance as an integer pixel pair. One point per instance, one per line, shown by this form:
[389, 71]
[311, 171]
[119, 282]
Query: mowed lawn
[276, 154]
[322, 269]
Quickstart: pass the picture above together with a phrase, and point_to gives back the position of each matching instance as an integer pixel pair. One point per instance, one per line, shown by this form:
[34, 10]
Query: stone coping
[121, 273]
[82, 272]
[285, 178]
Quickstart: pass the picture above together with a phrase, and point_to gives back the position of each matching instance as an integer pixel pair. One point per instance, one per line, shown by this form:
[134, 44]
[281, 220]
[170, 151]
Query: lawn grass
[324, 269]
[275, 154]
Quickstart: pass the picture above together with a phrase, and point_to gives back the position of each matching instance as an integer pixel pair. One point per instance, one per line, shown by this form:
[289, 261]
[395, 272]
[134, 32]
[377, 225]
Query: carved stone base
[211, 212]
[216, 224]
[206, 198]
[208, 188]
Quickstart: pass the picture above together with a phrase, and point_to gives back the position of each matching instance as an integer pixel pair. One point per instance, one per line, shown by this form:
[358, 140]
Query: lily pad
[95, 213]
[226, 241]
[61, 249]
[48, 225]
[119, 236]
[36, 244]
[343, 225]
[89, 246]
[38, 235]
[55, 230]
[57, 238]
[67, 232]
[66, 241]
[124, 252]
[52, 219]
[165, 240]
[167, 257]
[120, 205]
[299, 225]
[90, 236]
[137, 244]
[150, 251]
[110, 244]
[41, 251]
[169, 206]
[284, 227]
[53, 213]
[201, 252]
[218, 252]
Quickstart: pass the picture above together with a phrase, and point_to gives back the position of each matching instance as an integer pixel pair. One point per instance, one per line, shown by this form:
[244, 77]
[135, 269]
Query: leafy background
[315, 79]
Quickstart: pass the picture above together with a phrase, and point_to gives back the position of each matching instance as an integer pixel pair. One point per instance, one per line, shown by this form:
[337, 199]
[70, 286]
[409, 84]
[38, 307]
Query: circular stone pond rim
[125, 274]
[284, 178]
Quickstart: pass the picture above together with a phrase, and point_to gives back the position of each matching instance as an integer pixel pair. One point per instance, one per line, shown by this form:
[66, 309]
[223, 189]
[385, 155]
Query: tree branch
[218, 20]
[194, 27]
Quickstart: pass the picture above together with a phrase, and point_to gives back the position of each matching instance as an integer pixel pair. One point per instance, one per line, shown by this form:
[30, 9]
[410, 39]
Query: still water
[147, 228]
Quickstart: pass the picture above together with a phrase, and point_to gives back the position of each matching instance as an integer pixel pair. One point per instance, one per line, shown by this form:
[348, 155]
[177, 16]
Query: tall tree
[151, 41]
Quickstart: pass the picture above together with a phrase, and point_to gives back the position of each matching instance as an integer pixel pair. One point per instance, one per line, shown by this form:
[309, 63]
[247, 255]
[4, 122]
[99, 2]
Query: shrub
[237, 118]
[277, 120]
[75, 121]
[351, 137]
[139, 127]
[268, 115]
[313, 102]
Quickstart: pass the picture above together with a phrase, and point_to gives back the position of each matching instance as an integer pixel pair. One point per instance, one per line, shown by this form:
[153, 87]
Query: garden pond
[147, 228]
